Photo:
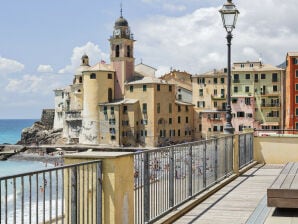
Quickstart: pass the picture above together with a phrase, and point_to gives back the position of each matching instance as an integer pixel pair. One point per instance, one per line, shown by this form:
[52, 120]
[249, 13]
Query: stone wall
[47, 118]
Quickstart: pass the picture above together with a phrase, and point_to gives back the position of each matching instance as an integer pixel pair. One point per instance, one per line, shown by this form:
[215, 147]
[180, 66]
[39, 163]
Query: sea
[10, 133]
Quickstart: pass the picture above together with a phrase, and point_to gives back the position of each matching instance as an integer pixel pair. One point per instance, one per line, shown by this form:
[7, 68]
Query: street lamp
[229, 14]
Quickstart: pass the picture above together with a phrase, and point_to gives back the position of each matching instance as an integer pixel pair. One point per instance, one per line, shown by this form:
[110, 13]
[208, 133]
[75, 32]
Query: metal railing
[167, 177]
[245, 149]
[66, 194]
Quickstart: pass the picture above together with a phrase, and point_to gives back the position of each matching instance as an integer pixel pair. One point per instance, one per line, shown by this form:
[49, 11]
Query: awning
[270, 124]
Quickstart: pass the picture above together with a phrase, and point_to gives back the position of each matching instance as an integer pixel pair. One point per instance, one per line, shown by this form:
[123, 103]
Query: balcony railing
[54, 195]
[73, 115]
[245, 149]
[270, 105]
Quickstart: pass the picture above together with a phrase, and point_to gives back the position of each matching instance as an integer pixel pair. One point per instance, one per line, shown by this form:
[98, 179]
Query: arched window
[110, 95]
[128, 51]
[117, 51]
[92, 76]
[80, 79]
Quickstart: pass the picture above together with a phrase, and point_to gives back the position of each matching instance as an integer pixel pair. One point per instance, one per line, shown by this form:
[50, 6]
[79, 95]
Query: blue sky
[41, 41]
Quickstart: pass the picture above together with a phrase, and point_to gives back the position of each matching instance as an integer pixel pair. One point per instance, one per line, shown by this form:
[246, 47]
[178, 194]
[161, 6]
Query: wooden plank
[295, 181]
[282, 193]
[283, 202]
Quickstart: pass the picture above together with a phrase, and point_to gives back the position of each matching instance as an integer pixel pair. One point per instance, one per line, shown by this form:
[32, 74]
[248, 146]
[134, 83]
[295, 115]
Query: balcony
[220, 180]
[73, 115]
[270, 105]
[218, 97]
[236, 81]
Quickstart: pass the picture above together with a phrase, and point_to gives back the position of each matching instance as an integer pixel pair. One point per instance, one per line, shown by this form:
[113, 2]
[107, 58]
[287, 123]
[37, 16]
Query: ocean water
[11, 129]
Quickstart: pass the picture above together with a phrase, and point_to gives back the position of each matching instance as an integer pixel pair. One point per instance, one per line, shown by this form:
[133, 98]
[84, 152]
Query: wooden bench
[283, 193]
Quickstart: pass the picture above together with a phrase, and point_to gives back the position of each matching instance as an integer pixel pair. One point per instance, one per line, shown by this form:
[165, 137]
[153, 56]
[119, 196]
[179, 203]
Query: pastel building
[291, 111]
[209, 98]
[257, 96]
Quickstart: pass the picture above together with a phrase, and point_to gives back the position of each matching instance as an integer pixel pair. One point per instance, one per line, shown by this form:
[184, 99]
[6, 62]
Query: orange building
[292, 91]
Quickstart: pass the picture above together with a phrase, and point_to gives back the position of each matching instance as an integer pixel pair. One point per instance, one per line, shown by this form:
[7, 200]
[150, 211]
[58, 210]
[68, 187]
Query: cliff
[41, 132]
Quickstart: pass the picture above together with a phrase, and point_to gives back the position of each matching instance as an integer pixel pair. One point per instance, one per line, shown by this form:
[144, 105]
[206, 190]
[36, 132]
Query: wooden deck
[237, 201]
[283, 193]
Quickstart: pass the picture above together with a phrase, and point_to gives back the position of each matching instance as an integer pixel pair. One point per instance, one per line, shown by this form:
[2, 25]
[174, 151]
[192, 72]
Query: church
[122, 104]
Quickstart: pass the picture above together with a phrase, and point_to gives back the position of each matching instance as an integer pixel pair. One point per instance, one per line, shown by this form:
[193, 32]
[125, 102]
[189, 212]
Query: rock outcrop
[39, 133]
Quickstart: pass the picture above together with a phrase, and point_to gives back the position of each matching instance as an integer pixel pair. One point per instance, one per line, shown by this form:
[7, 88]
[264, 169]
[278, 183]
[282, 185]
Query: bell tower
[121, 54]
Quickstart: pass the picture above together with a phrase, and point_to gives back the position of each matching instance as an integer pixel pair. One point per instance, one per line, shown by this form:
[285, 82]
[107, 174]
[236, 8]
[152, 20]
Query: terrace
[220, 180]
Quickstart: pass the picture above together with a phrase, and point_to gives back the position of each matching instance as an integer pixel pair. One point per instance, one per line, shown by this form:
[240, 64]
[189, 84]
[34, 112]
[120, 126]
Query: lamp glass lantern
[229, 14]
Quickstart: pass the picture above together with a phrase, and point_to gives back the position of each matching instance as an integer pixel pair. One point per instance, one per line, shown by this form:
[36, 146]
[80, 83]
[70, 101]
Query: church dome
[121, 22]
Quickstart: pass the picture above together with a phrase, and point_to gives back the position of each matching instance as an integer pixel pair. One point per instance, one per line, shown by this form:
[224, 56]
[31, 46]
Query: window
[274, 77]
[179, 108]
[110, 76]
[124, 109]
[170, 108]
[251, 65]
[263, 76]
[247, 76]
[249, 115]
[112, 121]
[222, 80]
[201, 104]
[296, 111]
[186, 120]
[215, 104]
[246, 89]
[240, 114]
[296, 124]
[158, 87]
[201, 80]
[236, 78]
[296, 73]
[222, 93]
[235, 89]
[215, 92]
[128, 51]
[144, 121]
[125, 123]
[80, 79]
[296, 87]
[112, 131]
[234, 100]
[178, 132]
[179, 119]
[158, 108]
[92, 76]
[131, 89]
[170, 120]
[215, 80]
[186, 108]
[105, 109]
[200, 92]
[295, 61]
[170, 88]
[110, 94]
[144, 108]
[297, 99]
[247, 101]
[112, 110]
[117, 51]
[144, 88]
[256, 78]
[274, 88]
[242, 65]
[179, 97]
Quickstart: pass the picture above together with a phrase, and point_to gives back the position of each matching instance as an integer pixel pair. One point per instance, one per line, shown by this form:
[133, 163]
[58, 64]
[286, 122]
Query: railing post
[146, 179]
[190, 171]
[226, 156]
[204, 165]
[74, 195]
[236, 154]
[245, 150]
[171, 178]
[99, 193]
[216, 159]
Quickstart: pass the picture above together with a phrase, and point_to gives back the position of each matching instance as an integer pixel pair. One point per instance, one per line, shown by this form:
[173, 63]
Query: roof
[148, 80]
[120, 102]
[121, 22]
[100, 66]
[183, 103]
[212, 73]
[263, 67]
[292, 54]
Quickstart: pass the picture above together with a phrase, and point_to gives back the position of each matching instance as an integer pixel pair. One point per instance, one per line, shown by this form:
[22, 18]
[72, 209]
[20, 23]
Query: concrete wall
[276, 150]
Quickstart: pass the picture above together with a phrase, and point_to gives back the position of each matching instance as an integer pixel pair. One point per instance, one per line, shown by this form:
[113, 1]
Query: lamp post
[229, 14]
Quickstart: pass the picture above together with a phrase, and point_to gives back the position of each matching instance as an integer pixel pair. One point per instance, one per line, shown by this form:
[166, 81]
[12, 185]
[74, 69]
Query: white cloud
[94, 53]
[196, 42]
[45, 69]
[28, 83]
[174, 8]
[161, 70]
[8, 66]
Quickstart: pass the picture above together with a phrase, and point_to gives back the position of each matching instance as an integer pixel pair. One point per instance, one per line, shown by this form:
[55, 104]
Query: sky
[41, 42]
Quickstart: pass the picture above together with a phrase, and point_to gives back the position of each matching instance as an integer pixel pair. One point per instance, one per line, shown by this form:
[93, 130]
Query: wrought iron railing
[58, 195]
[167, 177]
[245, 149]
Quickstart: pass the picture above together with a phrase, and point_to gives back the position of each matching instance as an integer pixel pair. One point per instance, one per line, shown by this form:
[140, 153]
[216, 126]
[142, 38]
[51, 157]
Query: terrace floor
[242, 201]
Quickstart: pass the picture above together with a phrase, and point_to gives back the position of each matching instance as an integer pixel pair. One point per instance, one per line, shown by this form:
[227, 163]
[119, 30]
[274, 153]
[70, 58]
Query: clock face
[117, 32]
